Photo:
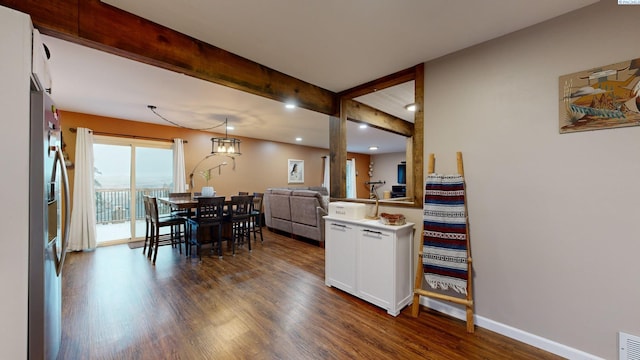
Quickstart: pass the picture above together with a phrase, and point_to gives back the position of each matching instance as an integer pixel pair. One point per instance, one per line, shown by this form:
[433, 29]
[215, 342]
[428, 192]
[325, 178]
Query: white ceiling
[334, 44]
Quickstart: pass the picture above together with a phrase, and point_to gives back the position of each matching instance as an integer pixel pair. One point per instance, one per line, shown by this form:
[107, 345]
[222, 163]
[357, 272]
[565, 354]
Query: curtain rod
[74, 130]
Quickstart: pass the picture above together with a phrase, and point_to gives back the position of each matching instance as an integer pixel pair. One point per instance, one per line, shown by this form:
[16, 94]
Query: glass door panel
[113, 192]
[154, 177]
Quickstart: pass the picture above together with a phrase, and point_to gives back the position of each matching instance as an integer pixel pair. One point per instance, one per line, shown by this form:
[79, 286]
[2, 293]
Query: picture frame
[600, 98]
[295, 171]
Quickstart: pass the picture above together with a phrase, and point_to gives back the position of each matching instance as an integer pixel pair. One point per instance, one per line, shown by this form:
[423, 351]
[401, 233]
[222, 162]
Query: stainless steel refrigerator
[29, 264]
[49, 227]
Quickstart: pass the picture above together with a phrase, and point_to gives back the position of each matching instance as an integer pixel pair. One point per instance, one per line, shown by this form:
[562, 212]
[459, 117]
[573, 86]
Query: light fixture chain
[153, 110]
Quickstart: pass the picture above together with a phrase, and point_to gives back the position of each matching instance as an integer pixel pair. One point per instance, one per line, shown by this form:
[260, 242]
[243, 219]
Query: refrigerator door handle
[67, 210]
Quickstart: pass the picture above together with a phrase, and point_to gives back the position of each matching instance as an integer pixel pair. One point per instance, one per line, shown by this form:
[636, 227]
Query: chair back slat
[257, 205]
[153, 209]
[147, 210]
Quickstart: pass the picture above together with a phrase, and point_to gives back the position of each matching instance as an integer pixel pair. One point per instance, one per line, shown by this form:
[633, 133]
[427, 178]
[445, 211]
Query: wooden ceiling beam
[104, 27]
[382, 83]
[359, 112]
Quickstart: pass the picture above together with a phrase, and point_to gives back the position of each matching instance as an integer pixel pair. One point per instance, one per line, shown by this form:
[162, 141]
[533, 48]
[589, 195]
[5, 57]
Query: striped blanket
[444, 248]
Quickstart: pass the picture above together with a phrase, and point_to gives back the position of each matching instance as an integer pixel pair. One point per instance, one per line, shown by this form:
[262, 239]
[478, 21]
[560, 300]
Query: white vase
[207, 191]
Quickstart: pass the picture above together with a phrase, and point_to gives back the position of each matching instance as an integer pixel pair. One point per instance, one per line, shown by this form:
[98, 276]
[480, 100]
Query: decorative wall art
[295, 171]
[601, 98]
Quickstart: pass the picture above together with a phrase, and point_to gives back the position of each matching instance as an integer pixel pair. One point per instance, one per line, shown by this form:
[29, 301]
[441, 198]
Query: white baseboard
[509, 331]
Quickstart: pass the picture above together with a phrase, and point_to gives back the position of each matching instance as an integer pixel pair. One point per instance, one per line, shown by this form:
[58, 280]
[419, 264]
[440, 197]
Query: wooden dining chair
[209, 215]
[148, 236]
[239, 214]
[255, 224]
[173, 238]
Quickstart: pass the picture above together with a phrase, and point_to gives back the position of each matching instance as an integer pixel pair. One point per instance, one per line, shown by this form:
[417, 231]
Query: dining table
[190, 204]
[181, 203]
[184, 203]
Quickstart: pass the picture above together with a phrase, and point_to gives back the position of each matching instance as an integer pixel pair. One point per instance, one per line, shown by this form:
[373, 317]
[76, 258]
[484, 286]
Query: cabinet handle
[371, 231]
[339, 225]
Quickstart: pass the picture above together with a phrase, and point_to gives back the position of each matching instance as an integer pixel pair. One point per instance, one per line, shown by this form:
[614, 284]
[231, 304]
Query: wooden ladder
[468, 300]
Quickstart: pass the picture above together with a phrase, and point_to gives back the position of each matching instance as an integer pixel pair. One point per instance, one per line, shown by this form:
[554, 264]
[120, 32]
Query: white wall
[554, 218]
[15, 42]
[385, 168]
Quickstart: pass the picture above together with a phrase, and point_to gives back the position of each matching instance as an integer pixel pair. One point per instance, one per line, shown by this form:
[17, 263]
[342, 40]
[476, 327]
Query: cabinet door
[376, 267]
[340, 256]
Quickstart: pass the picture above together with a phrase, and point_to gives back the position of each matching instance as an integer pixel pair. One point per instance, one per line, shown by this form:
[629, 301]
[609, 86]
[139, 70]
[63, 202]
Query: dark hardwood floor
[268, 304]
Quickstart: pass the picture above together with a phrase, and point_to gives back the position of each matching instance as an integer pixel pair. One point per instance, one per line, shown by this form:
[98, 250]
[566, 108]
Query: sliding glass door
[125, 169]
[154, 177]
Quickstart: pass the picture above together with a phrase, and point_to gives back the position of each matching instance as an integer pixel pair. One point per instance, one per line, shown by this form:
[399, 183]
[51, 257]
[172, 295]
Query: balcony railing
[113, 205]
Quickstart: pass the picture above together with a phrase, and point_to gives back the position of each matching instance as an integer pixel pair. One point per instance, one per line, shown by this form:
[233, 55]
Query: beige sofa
[297, 211]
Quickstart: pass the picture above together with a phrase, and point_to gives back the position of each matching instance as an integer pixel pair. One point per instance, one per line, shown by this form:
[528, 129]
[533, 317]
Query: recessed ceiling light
[230, 127]
[363, 126]
[298, 139]
[410, 107]
[373, 148]
[290, 105]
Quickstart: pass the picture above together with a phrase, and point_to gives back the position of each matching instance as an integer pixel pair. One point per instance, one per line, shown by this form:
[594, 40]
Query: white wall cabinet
[371, 261]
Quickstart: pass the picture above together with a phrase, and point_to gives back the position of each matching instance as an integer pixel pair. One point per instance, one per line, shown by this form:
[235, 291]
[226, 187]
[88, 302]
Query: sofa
[298, 211]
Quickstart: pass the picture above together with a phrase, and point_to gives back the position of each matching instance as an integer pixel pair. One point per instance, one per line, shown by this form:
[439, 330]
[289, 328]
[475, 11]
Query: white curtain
[179, 177]
[351, 178]
[82, 230]
[326, 179]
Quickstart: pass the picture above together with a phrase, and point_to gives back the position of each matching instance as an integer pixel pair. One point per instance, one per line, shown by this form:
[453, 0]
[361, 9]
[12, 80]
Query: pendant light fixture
[225, 145]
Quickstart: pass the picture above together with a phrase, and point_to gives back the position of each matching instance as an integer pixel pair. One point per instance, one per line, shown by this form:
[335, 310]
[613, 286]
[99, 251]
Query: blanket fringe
[459, 286]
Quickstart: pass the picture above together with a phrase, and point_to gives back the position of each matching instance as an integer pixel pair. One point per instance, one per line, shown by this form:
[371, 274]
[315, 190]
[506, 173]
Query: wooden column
[338, 155]
[416, 153]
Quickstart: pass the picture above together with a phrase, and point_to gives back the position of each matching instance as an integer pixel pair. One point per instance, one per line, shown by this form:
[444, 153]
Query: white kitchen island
[370, 260]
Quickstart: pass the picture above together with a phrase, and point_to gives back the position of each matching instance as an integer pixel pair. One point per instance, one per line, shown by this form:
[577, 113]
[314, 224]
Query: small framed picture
[295, 170]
